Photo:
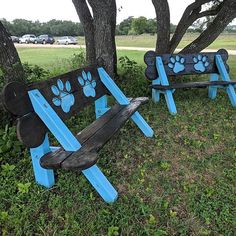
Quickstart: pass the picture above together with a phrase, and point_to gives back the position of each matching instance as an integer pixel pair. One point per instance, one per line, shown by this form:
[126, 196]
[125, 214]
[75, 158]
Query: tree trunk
[163, 25]
[101, 27]
[87, 22]
[10, 64]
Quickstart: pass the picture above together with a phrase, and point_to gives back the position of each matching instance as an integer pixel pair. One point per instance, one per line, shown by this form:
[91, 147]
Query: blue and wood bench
[44, 106]
[159, 67]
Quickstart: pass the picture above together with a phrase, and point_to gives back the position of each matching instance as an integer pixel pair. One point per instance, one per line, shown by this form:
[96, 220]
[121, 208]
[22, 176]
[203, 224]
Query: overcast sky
[45, 10]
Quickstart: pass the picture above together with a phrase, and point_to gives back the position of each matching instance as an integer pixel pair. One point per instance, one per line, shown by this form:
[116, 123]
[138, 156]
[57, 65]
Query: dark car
[45, 38]
[15, 39]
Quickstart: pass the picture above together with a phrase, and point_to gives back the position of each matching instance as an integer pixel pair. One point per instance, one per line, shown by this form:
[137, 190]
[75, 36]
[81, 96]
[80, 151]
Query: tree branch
[191, 14]
[225, 15]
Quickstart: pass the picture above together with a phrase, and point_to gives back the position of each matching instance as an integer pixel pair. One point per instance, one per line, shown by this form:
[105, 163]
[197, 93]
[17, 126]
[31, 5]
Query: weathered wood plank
[192, 85]
[103, 135]
[93, 138]
[184, 64]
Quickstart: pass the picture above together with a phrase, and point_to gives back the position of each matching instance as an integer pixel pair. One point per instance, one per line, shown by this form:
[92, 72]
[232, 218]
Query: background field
[227, 41]
[181, 182]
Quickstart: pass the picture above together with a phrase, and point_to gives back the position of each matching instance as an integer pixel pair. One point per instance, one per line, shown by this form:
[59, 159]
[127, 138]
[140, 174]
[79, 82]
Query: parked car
[45, 38]
[67, 40]
[28, 38]
[15, 39]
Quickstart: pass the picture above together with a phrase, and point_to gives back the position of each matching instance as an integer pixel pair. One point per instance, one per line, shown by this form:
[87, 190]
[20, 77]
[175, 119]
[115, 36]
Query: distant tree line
[129, 26]
[137, 26]
[20, 27]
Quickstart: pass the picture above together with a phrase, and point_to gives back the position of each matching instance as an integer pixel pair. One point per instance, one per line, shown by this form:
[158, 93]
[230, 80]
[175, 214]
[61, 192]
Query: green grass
[226, 41]
[181, 182]
[46, 57]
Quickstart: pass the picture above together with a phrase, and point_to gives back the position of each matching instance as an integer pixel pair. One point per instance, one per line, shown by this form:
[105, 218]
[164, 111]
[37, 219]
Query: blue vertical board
[164, 81]
[101, 106]
[123, 100]
[212, 90]
[43, 176]
[225, 77]
[155, 92]
[70, 143]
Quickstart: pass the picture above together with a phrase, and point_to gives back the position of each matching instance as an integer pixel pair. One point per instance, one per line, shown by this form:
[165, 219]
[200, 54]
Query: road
[231, 52]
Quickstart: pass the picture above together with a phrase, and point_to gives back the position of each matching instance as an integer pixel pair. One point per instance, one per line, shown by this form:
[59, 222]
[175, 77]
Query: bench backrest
[184, 64]
[67, 94]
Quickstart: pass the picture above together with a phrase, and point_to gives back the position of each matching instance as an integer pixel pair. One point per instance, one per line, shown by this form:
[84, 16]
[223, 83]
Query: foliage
[53, 27]
[34, 72]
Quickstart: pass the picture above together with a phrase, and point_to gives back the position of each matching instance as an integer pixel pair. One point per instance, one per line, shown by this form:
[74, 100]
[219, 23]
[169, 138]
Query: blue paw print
[63, 96]
[177, 64]
[88, 84]
[200, 63]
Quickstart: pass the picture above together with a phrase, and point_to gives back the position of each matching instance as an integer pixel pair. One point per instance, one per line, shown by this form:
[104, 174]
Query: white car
[28, 38]
[67, 40]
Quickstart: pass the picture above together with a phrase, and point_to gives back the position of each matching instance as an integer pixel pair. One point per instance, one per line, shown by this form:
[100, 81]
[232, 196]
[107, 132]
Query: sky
[45, 10]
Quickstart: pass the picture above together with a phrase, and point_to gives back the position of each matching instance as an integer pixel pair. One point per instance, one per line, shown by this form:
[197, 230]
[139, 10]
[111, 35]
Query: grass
[46, 57]
[225, 40]
[181, 182]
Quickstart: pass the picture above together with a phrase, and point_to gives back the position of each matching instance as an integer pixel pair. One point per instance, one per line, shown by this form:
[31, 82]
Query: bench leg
[101, 106]
[170, 102]
[43, 176]
[212, 90]
[142, 124]
[232, 95]
[155, 92]
[98, 180]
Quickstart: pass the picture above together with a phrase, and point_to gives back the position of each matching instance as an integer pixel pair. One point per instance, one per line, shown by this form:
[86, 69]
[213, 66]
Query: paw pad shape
[200, 63]
[177, 64]
[63, 96]
[88, 84]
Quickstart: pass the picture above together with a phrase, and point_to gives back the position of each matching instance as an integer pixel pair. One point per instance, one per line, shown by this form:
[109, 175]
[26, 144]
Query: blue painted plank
[212, 90]
[123, 100]
[225, 77]
[155, 92]
[101, 106]
[164, 81]
[43, 176]
[70, 143]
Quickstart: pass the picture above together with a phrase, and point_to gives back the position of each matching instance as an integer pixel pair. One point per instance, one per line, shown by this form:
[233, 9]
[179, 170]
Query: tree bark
[163, 25]
[86, 20]
[10, 67]
[10, 63]
[101, 26]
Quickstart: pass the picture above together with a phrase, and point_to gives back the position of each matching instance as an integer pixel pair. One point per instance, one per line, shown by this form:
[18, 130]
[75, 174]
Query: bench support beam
[69, 143]
[123, 100]
[212, 90]
[164, 81]
[225, 77]
[101, 106]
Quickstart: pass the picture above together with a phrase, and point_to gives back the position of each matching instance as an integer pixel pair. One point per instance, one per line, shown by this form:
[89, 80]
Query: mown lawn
[225, 40]
[181, 182]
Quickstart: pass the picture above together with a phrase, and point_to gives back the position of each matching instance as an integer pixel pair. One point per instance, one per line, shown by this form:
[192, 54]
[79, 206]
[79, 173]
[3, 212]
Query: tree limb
[226, 14]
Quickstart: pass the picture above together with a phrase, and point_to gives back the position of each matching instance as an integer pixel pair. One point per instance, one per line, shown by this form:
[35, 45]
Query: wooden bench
[159, 67]
[44, 106]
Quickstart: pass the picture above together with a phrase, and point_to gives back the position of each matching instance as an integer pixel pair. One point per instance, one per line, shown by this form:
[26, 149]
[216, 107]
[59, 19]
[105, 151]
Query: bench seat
[92, 138]
[190, 85]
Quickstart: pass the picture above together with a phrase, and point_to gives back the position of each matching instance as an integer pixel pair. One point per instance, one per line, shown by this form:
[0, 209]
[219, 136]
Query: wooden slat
[152, 74]
[193, 85]
[103, 130]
